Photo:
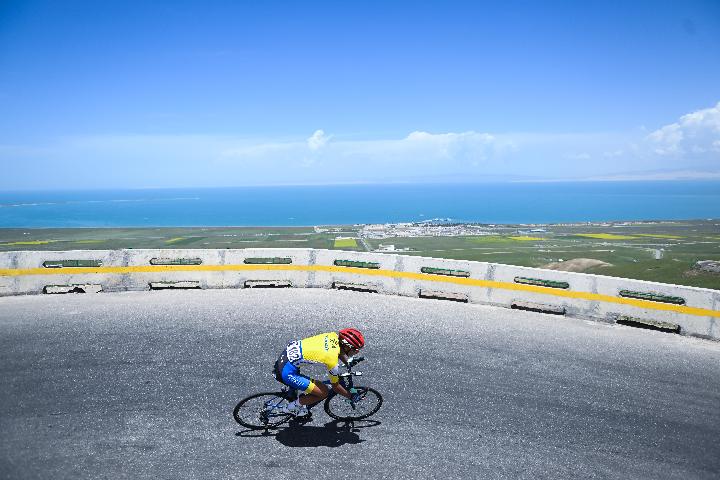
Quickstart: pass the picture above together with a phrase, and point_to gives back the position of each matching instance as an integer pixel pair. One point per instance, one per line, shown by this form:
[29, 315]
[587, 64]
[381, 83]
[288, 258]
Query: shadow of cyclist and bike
[298, 433]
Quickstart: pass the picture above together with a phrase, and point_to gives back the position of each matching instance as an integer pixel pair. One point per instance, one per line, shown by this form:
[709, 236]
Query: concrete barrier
[692, 311]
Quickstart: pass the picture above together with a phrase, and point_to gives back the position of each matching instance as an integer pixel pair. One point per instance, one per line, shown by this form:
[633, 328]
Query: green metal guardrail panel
[653, 297]
[647, 323]
[445, 271]
[542, 283]
[176, 261]
[356, 264]
[268, 260]
[71, 263]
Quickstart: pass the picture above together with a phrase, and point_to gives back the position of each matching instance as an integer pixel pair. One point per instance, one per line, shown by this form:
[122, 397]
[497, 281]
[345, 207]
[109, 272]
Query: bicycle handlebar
[355, 361]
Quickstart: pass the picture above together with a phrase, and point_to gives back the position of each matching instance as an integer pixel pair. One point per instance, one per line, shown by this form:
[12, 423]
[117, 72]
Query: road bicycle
[263, 411]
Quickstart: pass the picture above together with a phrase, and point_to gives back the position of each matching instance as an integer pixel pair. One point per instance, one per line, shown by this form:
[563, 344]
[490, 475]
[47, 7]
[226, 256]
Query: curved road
[142, 384]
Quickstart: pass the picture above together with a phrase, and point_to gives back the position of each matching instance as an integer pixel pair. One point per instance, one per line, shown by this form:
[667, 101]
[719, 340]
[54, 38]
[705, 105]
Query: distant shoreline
[649, 178]
[614, 223]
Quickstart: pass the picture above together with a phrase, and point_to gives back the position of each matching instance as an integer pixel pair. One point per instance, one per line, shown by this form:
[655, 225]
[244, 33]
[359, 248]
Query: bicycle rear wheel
[262, 411]
[339, 408]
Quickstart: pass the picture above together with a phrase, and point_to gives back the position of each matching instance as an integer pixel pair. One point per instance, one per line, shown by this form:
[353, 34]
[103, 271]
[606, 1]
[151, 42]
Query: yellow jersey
[323, 349]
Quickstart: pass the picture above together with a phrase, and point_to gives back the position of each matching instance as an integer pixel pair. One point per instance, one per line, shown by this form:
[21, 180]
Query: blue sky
[178, 94]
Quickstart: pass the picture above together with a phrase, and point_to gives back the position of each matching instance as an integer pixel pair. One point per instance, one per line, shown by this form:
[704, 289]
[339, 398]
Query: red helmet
[352, 337]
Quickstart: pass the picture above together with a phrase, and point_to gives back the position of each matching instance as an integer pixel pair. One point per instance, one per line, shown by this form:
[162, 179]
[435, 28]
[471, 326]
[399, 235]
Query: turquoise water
[334, 205]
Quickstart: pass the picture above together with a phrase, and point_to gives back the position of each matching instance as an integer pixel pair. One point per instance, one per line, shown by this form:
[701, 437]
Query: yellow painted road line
[595, 297]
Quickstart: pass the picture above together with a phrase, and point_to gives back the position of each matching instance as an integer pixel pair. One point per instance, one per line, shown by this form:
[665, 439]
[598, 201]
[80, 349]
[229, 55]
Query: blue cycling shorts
[290, 375]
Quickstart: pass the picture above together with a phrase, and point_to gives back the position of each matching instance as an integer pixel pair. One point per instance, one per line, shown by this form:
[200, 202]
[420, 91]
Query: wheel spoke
[370, 401]
[261, 411]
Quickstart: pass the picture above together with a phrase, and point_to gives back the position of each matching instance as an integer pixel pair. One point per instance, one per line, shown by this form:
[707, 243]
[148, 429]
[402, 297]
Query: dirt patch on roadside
[576, 265]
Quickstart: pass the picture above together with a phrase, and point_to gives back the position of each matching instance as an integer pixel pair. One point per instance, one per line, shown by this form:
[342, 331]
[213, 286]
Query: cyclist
[328, 349]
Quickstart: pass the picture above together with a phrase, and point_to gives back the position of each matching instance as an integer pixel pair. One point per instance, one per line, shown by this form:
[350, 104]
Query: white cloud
[696, 134]
[449, 138]
[317, 140]
[613, 154]
[420, 155]
[578, 156]
[468, 145]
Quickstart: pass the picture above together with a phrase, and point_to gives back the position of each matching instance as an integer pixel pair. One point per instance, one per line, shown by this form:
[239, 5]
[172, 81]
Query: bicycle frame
[346, 380]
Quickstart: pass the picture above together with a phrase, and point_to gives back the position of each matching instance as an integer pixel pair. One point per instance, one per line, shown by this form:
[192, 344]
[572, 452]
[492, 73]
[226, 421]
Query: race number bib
[293, 351]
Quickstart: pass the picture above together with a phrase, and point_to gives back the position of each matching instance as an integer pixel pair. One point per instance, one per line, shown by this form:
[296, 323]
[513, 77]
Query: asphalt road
[142, 385]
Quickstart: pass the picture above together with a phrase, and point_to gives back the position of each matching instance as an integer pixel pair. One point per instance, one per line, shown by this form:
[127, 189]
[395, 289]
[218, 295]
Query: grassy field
[631, 250]
[157, 238]
[345, 242]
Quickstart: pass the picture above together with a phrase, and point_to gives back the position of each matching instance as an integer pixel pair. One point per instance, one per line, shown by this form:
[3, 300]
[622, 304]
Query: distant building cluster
[395, 230]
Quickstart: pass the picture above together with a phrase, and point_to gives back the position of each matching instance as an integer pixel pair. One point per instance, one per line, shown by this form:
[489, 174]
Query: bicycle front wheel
[339, 408]
[261, 411]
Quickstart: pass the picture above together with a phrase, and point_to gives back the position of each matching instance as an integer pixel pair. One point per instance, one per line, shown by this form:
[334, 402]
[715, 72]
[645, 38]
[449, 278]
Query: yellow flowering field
[606, 236]
[526, 239]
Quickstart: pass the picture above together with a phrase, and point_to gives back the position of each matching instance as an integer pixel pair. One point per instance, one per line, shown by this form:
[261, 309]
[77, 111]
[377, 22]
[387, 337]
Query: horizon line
[714, 178]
